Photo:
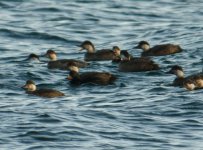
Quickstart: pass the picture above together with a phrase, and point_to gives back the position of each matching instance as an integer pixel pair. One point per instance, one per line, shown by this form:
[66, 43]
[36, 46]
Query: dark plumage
[62, 63]
[132, 64]
[99, 55]
[137, 65]
[101, 78]
[31, 88]
[158, 50]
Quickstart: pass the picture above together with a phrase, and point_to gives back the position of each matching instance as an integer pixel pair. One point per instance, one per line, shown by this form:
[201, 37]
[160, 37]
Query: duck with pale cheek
[99, 55]
[196, 79]
[136, 64]
[120, 55]
[99, 78]
[158, 50]
[62, 63]
[31, 88]
[193, 85]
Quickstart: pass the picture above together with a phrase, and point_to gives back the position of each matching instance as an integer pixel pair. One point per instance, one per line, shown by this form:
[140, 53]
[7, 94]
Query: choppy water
[141, 111]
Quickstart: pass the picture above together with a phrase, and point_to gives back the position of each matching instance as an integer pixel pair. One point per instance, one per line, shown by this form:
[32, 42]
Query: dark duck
[158, 50]
[183, 81]
[31, 88]
[62, 63]
[93, 55]
[128, 63]
[99, 78]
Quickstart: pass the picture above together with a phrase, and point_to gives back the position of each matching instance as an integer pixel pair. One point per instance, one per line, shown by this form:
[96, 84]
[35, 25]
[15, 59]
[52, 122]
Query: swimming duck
[158, 50]
[180, 79]
[31, 88]
[33, 57]
[93, 55]
[62, 63]
[120, 55]
[100, 78]
[193, 85]
[136, 64]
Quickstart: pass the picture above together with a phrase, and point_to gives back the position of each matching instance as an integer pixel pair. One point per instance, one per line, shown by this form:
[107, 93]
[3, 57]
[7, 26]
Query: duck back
[161, 50]
[138, 65]
[49, 93]
[63, 64]
[100, 55]
[101, 78]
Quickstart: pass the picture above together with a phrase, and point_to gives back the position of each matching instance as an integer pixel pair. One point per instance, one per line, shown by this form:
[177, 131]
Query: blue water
[141, 111]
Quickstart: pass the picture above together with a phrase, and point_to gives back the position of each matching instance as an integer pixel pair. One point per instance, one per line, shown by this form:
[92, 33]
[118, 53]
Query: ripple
[140, 111]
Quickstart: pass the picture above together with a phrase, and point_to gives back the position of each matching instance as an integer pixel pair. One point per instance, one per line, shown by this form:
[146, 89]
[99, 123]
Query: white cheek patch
[117, 52]
[179, 73]
[52, 56]
[31, 87]
[74, 68]
[145, 47]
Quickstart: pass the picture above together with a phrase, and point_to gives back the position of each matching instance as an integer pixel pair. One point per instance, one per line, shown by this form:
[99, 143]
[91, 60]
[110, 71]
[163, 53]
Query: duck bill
[24, 87]
[81, 48]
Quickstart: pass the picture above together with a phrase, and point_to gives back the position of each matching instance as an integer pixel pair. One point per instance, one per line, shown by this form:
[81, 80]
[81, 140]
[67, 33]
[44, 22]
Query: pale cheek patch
[74, 68]
[145, 47]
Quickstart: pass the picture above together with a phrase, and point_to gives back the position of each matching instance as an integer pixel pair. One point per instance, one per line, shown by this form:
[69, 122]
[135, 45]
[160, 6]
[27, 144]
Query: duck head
[33, 57]
[125, 55]
[116, 50]
[51, 54]
[30, 86]
[144, 45]
[87, 45]
[177, 70]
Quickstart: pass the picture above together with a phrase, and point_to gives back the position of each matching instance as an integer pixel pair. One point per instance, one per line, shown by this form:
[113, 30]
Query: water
[140, 111]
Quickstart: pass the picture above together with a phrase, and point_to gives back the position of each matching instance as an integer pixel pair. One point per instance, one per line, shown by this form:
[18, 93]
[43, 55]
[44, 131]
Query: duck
[98, 78]
[31, 88]
[136, 64]
[62, 63]
[193, 85]
[180, 78]
[158, 50]
[120, 55]
[93, 55]
[33, 57]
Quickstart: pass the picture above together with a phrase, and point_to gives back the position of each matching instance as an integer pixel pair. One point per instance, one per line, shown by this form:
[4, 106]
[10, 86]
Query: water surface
[139, 111]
